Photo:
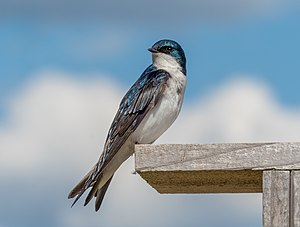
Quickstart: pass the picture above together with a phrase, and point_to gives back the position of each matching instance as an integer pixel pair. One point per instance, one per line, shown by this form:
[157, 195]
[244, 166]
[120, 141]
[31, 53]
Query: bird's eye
[166, 49]
[169, 48]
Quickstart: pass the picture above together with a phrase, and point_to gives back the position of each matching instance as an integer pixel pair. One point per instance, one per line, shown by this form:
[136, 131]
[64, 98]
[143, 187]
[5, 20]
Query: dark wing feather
[141, 98]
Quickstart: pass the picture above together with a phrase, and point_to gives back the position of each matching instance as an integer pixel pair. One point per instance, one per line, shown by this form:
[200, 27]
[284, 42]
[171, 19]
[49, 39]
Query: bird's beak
[152, 50]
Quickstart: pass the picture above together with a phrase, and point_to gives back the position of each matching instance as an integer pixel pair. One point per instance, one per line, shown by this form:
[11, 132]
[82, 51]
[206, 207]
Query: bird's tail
[86, 183]
[100, 194]
[80, 186]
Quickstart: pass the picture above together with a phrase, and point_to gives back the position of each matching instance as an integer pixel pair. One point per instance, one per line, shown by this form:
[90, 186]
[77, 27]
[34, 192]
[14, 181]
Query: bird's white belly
[155, 123]
[161, 117]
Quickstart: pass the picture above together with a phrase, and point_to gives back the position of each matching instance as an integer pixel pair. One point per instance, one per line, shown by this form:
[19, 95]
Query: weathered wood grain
[295, 199]
[231, 156]
[276, 198]
[213, 168]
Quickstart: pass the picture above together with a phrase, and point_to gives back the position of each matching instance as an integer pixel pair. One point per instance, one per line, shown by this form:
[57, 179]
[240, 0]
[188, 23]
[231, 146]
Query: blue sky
[265, 46]
[66, 64]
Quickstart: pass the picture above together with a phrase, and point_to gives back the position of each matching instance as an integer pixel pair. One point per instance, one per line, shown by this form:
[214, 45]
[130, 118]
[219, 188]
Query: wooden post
[295, 198]
[270, 168]
[276, 198]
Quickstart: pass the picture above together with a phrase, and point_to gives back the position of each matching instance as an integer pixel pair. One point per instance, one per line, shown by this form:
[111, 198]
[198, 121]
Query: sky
[65, 65]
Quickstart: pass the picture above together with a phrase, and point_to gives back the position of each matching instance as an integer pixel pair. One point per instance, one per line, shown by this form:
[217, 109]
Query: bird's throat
[163, 61]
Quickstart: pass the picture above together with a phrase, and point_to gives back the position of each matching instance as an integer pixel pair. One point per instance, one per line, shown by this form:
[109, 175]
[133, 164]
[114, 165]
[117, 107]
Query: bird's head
[168, 54]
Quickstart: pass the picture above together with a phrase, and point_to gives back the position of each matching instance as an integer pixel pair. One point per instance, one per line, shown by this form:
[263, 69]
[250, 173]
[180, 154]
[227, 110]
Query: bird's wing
[141, 98]
[137, 102]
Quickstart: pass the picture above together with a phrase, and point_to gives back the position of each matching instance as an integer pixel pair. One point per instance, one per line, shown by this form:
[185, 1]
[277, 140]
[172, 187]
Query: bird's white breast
[161, 117]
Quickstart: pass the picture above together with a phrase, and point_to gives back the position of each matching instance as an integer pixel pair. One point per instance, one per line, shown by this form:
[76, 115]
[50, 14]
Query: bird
[146, 111]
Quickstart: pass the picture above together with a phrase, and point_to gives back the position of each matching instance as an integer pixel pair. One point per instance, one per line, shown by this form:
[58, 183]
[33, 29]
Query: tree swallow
[146, 111]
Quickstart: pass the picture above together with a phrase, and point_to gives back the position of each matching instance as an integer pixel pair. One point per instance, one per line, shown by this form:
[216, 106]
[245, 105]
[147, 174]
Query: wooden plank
[234, 156]
[239, 181]
[212, 168]
[276, 198]
[295, 199]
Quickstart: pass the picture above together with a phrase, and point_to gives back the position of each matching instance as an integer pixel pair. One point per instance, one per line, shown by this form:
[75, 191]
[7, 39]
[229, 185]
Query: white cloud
[242, 110]
[53, 118]
[56, 129]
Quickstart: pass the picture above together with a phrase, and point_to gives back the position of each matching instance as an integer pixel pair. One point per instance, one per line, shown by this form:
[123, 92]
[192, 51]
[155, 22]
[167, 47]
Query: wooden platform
[270, 168]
